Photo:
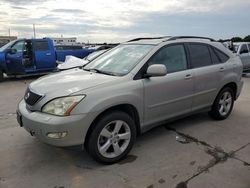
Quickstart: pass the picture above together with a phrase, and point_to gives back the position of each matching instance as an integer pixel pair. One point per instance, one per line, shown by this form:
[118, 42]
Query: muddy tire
[112, 137]
[1, 75]
[223, 104]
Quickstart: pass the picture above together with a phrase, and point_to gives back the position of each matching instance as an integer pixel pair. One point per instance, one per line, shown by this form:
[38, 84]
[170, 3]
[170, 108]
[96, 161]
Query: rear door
[44, 55]
[14, 59]
[170, 95]
[208, 71]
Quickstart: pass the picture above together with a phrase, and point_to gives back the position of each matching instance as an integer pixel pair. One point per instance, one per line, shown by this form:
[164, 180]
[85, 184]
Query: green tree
[236, 39]
[247, 38]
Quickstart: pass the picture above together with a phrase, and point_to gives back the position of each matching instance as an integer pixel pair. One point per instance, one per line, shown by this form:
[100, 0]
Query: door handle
[48, 54]
[188, 77]
[222, 69]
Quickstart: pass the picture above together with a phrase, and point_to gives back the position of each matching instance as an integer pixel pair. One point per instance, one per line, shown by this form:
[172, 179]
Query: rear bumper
[40, 124]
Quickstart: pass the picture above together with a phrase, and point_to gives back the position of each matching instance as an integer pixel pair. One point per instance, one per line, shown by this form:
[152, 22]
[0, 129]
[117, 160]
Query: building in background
[5, 39]
[65, 41]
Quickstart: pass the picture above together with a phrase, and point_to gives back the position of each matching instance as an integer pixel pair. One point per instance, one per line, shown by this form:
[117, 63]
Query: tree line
[237, 39]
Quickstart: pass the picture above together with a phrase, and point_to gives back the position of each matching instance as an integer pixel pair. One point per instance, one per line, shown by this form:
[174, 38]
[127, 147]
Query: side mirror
[156, 70]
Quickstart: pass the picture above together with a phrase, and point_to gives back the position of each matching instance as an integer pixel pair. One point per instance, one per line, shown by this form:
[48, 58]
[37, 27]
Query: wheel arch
[127, 108]
[233, 86]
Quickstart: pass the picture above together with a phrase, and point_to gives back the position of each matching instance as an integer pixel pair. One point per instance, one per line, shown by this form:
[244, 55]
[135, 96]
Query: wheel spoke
[106, 133]
[221, 102]
[105, 147]
[229, 100]
[221, 109]
[118, 126]
[124, 136]
[117, 149]
[225, 96]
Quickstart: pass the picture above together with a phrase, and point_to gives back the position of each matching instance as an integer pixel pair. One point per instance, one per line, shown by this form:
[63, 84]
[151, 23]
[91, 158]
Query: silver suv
[130, 89]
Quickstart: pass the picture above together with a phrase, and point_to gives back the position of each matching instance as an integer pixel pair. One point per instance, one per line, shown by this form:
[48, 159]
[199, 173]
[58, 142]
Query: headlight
[62, 106]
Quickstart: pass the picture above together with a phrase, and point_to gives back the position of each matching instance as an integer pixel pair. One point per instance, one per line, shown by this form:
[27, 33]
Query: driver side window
[18, 46]
[173, 57]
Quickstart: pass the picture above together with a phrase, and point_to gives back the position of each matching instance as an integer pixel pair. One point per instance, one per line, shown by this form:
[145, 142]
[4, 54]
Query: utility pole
[34, 30]
[9, 32]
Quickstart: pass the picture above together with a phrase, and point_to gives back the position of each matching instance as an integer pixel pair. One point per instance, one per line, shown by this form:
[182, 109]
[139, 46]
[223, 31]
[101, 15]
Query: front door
[14, 58]
[170, 95]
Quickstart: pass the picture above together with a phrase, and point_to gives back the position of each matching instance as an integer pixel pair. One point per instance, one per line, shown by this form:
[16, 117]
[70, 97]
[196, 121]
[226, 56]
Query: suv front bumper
[39, 124]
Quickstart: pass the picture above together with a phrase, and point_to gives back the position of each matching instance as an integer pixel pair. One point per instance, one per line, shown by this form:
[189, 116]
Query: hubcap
[225, 103]
[114, 139]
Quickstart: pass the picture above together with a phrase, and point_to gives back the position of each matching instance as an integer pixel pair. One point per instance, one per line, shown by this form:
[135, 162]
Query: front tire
[112, 137]
[1, 75]
[223, 104]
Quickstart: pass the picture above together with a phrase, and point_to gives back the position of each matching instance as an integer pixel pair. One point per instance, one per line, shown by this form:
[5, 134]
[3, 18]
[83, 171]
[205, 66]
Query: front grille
[31, 98]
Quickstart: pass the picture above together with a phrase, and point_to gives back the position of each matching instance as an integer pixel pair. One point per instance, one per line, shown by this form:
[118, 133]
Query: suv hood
[68, 82]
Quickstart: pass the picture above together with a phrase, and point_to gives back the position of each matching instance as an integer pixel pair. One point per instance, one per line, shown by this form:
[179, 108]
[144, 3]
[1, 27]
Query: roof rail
[148, 38]
[190, 37]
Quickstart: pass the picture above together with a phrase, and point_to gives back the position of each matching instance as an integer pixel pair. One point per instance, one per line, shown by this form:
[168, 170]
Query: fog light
[57, 135]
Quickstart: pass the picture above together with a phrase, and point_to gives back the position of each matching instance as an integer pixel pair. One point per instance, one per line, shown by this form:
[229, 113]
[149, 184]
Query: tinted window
[199, 55]
[41, 45]
[173, 57]
[223, 57]
[249, 46]
[244, 49]
[18, 46]
[214, 56]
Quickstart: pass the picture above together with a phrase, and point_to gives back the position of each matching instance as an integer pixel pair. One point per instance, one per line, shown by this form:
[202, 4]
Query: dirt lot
[209, 154]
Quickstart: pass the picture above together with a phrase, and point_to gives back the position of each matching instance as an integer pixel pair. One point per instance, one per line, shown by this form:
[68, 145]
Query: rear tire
[1, 75]
[223, 104]
[112, 137]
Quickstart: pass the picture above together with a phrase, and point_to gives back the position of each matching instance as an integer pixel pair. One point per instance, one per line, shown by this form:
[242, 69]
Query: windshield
[6, 46]
[93, 55]
[120, 60]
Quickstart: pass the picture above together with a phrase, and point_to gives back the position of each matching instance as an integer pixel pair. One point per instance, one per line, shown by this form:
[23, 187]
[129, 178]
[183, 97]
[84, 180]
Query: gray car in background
[243, 50]
[130, 89]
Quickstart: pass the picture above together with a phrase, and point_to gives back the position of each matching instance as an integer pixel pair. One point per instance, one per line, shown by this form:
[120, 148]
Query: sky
[121, 20]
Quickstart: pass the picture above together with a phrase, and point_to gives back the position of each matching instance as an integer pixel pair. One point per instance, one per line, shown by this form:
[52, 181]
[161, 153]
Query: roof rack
[148, 38]
[190, 37]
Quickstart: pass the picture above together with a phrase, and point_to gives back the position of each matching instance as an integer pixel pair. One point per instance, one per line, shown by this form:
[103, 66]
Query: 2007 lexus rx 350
[129, 90]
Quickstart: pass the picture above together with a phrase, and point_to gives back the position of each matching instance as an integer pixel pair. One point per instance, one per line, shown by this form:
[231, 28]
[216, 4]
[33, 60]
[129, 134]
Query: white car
[74, 62]
[243, 50]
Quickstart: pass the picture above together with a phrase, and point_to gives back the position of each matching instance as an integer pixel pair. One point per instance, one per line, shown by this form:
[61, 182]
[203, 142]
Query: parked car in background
[130, 89]
[74, 62]
[243, 50]
[32, 56]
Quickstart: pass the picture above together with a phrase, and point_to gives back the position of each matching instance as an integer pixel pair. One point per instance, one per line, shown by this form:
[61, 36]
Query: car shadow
[80, 158]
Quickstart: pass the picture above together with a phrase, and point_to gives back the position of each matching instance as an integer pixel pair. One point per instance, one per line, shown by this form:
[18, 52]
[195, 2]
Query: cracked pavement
[192, 152]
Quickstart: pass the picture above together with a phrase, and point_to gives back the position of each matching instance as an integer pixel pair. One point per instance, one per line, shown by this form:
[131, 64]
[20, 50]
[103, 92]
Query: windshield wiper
[100, 71]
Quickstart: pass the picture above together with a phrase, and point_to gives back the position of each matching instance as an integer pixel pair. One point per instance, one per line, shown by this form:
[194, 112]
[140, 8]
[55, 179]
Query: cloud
[120, 19]
[71, 11]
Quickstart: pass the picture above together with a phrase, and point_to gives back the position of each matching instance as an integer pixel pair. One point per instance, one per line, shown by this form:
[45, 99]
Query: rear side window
[41, 45]
[173, 57]
[249, 46]
[214, 56]
[199, 55]
[244, 49]
[223, 57]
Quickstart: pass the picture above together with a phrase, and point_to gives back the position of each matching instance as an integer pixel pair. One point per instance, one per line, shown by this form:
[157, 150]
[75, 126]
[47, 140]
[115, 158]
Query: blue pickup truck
[34, 56]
